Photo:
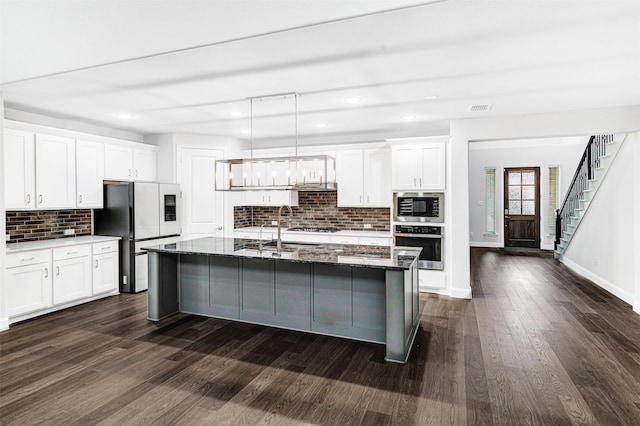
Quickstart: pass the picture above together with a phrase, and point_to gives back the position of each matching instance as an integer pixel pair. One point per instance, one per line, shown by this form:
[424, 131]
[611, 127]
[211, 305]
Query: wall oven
[418, 207]
[428, 238]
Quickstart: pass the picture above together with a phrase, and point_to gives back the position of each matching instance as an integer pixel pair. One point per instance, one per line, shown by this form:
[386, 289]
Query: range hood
[299, 173]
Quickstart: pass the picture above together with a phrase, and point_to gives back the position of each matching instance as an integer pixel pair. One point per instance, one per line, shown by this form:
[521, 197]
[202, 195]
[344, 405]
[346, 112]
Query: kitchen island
[358, 292]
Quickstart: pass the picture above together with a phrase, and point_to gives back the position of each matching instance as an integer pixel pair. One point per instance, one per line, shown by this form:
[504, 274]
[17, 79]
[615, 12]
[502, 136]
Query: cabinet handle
[28, 198]
[360, 198]
[57, 270]
[46, 272]
[136, 172]
[80, 199]
[105, 248]
[71, 252]
[96, 264]
[129, 171]
[368, 199]
[415, 182]
[420, 181]
[27, 260]
[40, 198]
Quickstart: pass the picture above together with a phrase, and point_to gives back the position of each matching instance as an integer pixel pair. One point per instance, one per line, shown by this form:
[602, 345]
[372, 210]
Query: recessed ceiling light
[431, 97]
[124, 115]
[236, 113]
[409, 117]
[353, 100]
[244, 131]
[321, 125]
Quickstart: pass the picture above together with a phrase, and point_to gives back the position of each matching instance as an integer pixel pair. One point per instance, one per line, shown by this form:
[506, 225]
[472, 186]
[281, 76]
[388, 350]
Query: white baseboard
[4, 324]
[485, 244]
[461, 293]
[636, 307]
[598, 280]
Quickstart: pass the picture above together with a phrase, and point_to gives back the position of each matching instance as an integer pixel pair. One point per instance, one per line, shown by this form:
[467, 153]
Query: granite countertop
[57, 242]
[266, 229]
[381, 257]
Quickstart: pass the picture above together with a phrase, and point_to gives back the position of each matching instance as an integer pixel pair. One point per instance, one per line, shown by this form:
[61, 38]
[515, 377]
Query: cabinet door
[89, 174]
[118, 162]
[144, 164]
[55, 172]
[433, 159]
[350, 178]
[377, 179]
[28, 288]
[105, 273]
[404, 167]
[71, 279]
[19, 173]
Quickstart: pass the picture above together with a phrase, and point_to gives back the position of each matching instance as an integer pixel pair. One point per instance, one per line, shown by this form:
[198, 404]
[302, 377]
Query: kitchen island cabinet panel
[331, 297]
[258, 288]
[369, 303]
[292, 292]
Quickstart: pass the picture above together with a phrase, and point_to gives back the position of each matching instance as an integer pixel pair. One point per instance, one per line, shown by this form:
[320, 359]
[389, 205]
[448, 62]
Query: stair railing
[596, 148]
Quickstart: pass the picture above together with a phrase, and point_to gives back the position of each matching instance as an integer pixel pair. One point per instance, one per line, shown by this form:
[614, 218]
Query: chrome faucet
[279, 241]
[260, 238]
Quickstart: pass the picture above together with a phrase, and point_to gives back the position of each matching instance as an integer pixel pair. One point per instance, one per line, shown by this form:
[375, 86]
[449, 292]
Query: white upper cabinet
[144, 165]
[419, 167]
[19, 172]
[89, 174]
[55, 172]
[270, 198]
[363, 178]
[118, 162]
[350, 178]
[126, 163]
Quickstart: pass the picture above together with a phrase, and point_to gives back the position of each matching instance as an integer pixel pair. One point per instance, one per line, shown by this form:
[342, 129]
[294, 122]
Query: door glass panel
[528, 192]
[514, 193]
[528, 178]
[529, 207]
[514, 178]
[514, 207]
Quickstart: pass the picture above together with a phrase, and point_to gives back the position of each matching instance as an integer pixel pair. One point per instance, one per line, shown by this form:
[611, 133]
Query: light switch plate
[368, 226]
[274, 222]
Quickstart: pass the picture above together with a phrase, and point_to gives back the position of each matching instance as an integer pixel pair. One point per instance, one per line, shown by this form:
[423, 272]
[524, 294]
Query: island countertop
[388, 258]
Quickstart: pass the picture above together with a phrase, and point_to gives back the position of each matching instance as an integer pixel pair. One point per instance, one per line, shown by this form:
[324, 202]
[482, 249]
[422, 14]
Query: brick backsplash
[34, 225]
[316, 209]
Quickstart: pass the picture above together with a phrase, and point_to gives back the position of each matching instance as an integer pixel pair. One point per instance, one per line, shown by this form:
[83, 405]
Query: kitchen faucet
[279, 241]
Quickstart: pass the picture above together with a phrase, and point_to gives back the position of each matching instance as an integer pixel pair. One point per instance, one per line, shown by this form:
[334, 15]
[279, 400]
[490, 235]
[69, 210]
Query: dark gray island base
[358, 292]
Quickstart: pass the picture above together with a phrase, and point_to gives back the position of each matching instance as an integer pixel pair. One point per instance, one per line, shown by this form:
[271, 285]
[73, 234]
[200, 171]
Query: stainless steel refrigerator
[142, 213]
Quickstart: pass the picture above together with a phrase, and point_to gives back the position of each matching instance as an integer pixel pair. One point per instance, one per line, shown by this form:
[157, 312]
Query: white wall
[566, 123]
[4, 317]
[604, 248]
[561, 152]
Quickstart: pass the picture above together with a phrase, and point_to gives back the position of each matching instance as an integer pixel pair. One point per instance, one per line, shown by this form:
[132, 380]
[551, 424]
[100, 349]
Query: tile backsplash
[316, 209]
[34, 225]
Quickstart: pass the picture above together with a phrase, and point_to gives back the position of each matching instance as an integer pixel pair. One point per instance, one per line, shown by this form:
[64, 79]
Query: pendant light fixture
[307, 172]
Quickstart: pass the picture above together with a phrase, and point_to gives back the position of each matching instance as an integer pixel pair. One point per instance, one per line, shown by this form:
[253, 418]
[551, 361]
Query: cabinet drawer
[71, 251]
[344, 239]
[375, 241]
[28, 258]
[106, 247]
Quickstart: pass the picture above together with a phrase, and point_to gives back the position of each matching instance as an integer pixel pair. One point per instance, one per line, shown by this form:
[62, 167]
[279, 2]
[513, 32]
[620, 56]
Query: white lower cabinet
[72, 273]
[28, 278]
[105, 267]
[45, 280]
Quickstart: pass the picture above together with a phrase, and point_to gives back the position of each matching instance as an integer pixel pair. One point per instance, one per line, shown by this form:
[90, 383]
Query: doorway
[522, 207]
[202, 204]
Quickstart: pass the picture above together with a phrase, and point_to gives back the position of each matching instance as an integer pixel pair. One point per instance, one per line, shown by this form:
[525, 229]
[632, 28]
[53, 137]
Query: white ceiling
[520, 56]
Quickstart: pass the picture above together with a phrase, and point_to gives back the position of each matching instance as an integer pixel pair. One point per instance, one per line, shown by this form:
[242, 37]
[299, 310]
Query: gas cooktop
[312, 229]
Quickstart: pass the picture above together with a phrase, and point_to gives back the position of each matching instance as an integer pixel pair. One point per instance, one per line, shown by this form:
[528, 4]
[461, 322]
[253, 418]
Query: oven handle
[418, 235]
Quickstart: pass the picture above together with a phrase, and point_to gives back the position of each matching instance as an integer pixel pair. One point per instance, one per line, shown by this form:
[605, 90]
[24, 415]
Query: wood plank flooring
[536, 345]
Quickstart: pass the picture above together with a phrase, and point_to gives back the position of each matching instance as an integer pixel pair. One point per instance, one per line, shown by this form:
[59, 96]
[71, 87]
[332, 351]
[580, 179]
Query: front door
[202, 204]
[522, 207]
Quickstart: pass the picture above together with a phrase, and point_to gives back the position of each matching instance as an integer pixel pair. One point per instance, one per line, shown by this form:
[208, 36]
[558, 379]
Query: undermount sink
[272, 245]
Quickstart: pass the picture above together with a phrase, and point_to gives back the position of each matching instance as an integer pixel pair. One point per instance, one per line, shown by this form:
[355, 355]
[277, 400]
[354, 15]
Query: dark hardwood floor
[536, 345]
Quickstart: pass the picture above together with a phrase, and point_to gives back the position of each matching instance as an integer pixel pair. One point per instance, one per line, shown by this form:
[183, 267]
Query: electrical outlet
[274, 222]
[7, 237]
[368, 226]
[69, 232]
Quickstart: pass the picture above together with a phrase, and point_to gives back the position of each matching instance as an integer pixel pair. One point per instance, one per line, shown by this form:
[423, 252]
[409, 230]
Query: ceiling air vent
[481, 107]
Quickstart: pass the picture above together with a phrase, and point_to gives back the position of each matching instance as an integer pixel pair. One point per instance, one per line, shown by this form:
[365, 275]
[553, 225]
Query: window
[554, 197]
[490, 201]
[522, 192]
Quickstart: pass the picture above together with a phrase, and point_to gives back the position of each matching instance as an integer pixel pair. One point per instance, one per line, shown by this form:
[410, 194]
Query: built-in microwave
[418, 206]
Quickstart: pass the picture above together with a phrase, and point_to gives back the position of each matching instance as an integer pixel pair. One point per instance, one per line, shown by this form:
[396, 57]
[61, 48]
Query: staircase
[592, 170]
